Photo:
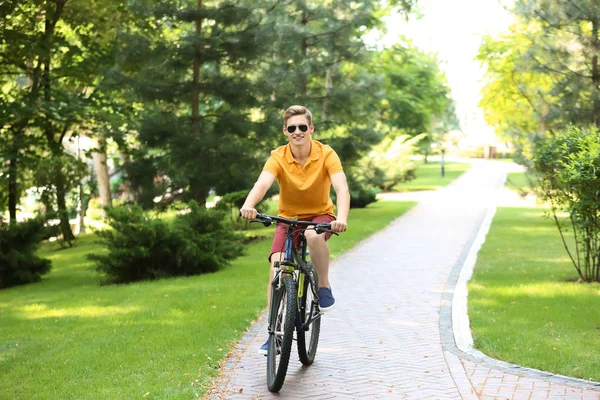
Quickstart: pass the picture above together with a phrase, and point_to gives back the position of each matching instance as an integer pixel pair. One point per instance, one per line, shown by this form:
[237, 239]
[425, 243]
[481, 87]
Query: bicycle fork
[314, 314]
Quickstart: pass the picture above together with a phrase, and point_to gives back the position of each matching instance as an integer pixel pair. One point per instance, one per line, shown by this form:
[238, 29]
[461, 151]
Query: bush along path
[391, 334]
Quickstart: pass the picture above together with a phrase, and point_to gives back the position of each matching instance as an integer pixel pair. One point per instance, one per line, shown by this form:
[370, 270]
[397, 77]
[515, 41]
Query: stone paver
[386, 338]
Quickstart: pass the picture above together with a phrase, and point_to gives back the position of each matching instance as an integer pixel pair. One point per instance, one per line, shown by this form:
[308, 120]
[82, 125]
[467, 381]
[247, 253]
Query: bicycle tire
[282, 317]
[308, 340]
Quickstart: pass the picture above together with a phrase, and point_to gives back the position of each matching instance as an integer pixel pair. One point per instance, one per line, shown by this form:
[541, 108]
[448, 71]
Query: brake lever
[319, 231]
[264, 222]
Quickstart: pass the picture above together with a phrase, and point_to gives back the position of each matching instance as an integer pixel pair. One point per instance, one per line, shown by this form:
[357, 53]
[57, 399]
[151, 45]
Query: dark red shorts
[281, 232]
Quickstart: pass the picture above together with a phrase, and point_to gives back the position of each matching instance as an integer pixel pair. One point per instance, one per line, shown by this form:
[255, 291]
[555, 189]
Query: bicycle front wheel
[308, 337]
[282, 317]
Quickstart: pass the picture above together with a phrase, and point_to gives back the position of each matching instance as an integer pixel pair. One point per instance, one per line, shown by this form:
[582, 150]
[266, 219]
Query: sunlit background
[454, 30]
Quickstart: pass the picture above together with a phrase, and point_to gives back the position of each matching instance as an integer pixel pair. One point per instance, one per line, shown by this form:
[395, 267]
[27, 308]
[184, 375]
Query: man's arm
[340, 186]
[264, 183]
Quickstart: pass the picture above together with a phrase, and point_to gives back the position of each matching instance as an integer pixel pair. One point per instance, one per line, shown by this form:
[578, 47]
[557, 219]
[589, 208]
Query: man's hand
[339, 226]
[248, 212]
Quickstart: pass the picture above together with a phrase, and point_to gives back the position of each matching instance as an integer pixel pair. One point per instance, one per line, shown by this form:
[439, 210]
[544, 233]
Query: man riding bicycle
[305, 170]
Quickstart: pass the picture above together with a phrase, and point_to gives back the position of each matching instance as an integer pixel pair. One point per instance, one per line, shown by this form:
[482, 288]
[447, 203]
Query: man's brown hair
[297, 110]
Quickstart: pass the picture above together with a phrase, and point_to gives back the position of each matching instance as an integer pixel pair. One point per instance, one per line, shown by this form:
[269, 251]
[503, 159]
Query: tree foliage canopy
[543, 75]
[192, 92]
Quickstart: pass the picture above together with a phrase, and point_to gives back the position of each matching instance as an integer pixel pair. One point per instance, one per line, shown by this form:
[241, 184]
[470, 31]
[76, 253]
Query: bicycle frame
[284, 318]
[295, 260]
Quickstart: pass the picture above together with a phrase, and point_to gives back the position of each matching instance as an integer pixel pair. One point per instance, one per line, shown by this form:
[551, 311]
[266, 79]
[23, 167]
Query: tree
[568, 51]
[311, 62]
[516, 98]
[189, 66]
[543, 75]
[21, 85]
[416, 95]
[55, 60]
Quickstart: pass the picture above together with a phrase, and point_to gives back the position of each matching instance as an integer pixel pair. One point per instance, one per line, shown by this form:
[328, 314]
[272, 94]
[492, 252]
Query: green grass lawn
[67, 337]
[429, 176]
[525, 304]
[520, 182]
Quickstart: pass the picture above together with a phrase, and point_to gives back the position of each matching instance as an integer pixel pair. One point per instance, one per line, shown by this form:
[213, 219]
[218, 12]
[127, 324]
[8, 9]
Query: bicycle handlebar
[268, 220]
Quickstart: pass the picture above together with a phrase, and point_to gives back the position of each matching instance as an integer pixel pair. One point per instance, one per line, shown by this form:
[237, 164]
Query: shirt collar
[313, 156]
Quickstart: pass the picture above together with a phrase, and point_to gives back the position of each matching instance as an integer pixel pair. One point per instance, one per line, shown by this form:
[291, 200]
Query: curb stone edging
[454, 320]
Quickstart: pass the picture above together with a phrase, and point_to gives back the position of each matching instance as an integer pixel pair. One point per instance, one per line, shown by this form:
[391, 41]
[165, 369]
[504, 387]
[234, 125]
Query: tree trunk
[328, 87]
[198, 194]
[101, 168]
[80, 206]
[126, 187]
[196, 81]
[595, 73]
[61, 190]
[81, 210]
[304, 50]
[12, 190]
[55, 145]
[65, 226]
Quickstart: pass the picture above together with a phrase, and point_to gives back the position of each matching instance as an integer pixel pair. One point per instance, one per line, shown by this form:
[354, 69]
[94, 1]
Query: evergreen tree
[190, 67]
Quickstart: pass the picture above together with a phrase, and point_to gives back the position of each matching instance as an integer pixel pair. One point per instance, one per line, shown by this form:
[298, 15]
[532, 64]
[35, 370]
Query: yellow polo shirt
[304, 191]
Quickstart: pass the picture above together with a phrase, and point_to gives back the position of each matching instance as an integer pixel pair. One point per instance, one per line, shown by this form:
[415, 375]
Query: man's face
[298, 130]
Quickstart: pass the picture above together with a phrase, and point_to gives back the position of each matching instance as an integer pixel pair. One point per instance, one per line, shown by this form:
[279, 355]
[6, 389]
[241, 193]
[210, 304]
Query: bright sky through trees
[454, 29]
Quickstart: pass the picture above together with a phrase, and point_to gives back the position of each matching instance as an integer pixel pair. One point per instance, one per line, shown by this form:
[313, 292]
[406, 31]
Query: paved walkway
[390, 335]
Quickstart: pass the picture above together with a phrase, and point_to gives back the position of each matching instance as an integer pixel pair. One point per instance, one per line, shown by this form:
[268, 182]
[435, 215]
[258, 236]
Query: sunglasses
[292, 128]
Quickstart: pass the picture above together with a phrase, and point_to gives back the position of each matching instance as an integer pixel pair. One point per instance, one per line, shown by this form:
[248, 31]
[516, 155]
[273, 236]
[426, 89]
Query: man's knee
[314, 239]
[276, 257]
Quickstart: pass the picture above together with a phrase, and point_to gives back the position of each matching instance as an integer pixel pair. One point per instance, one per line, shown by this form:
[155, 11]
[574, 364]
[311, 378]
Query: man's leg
[274, 258]
[319, 254]
[277, 256]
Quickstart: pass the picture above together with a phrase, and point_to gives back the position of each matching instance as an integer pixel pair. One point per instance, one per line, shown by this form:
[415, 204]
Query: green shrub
[389, 162]
[141, 247]
[231, 203]
[361, 193]
[19, 263]
[568, 171]
[232, 200]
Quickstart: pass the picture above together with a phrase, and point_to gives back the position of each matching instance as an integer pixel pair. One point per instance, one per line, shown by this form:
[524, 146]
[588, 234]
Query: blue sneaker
[264, 349]
[326, 299]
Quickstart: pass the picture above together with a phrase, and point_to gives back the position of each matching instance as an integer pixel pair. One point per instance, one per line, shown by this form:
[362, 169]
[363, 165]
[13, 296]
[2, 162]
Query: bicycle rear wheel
[282, 317]
[308, 338]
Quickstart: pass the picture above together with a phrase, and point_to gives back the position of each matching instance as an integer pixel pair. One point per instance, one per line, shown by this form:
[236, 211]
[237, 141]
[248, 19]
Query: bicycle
[294, 302]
